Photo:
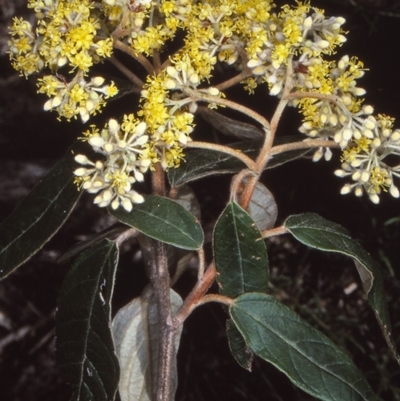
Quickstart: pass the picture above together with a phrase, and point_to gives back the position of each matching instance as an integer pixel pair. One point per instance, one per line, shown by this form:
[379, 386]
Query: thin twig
[128, 73]
[312, 143]
[195, 295]
[230, 104]
[272, 232]
[137, 56]
[223, 149]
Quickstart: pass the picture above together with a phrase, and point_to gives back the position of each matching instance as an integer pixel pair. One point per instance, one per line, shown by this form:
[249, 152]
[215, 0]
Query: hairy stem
[159, 278]
[223, 149]
[137, 56]
[128, 73]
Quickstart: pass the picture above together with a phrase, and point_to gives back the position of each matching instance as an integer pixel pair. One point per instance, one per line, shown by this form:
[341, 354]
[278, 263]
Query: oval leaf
[262, 207]
[164, 220]
[136, 335]
[311, 360]
[84, 347]
[240, 253]
[39, 216]
[316, 232]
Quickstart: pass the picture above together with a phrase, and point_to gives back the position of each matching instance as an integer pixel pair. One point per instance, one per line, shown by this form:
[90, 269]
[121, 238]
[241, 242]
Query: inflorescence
[291, 46]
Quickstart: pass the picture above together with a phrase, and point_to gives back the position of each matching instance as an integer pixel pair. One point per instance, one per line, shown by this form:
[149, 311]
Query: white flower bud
[394, 191]
[340, 173]
[345, 190]
[127, 204]
[82, 159]
[365, 176]
[113, 126]
[374, 198]
[80, 172]
[98, 81]
[140, 128]
[367, 109]
[307, 23]
[347, 134]
[213, 91]
[96, 141]
[108, 147]
[136, 198]
[115, 203]
[253, 63]
[358, 191]
[194, 79]
[172, 72]
[170, 84]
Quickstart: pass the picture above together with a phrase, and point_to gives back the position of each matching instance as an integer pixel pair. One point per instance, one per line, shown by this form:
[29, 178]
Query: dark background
[313, 284]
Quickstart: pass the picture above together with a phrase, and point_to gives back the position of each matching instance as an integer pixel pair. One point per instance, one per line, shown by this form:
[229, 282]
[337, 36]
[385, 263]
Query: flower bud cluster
[363, 159]
[126, 159]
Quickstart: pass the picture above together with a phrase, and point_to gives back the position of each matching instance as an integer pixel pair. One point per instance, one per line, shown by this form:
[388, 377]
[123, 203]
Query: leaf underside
[136, 336]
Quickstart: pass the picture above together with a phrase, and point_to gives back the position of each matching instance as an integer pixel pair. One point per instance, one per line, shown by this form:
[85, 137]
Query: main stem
[160, 281]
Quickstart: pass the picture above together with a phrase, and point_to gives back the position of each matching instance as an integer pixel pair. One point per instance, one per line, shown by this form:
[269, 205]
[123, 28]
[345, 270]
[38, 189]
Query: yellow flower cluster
[68, 33]
[179, 43]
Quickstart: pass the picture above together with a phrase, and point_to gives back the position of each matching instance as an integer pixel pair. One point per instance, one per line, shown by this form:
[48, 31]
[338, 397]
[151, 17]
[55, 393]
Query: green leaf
[241, 352]
[39, 216]
[136, 336]
[240, 253]
[201, 163]
[84, 347]
[229, 126]
[310, 359]
[164, 220]
[316, 232]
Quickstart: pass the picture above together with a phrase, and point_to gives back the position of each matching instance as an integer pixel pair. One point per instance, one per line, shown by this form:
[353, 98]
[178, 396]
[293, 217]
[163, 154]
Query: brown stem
[232, 105]
[158, 180]
[195, 295]
[312, 95]
[159, 278]
[223, 149]
[274, 232]
[128, 73]
[137, 56]
[222, 299]
[265, 152]
[312, 143]
[234, 80]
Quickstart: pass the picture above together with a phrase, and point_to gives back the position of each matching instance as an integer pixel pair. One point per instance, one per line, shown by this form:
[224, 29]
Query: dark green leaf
[39, 216]
[316, 232]
[164, 220]
[229, 126]
[241, 352]
[310, 359]
[201, 163]
[84, 347]
[136, 331]
[240, 253]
